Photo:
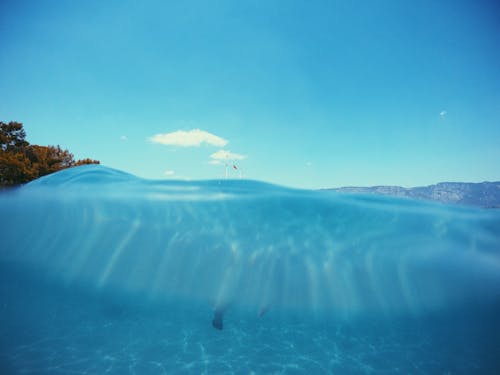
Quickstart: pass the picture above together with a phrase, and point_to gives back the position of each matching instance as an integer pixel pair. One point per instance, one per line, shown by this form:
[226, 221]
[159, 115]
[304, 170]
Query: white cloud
[169, 173]
[308, 164]
[215, 162]
[227, 155]
[443, 114]
[191, 138]
[123, 138]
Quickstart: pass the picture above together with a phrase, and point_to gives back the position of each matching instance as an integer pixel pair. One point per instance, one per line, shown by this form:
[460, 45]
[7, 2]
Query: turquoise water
[103, 272]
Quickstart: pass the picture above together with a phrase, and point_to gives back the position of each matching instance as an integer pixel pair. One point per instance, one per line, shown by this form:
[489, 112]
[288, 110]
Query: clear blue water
[104, 273]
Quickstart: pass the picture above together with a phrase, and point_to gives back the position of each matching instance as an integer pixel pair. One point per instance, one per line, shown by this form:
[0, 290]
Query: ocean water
[105, 273]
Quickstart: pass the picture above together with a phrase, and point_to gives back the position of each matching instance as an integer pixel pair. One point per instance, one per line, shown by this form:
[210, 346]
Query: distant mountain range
[483, 194]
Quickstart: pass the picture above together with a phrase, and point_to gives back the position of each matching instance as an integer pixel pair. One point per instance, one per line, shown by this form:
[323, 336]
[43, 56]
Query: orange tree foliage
[21, 162]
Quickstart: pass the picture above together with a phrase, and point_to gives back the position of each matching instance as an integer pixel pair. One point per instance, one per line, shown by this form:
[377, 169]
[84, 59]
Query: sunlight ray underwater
[261, 253]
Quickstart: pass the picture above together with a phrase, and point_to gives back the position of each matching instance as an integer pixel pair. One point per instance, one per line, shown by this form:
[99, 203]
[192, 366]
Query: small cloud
[169, 173]
[227, 155]
[308, 164]
[214, 162]
[123, 138]
[443, 114]
[191, 138]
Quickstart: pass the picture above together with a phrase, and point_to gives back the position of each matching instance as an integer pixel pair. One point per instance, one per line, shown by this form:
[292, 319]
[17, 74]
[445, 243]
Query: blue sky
[302, 93]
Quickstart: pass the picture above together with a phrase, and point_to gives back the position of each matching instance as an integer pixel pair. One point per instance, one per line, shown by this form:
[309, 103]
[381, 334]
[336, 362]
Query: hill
[483, 194]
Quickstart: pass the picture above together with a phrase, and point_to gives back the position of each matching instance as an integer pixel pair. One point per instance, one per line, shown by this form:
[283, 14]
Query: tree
[86, 161]
[21, 162]
[12, 136]
[15, 169]
[49, 159]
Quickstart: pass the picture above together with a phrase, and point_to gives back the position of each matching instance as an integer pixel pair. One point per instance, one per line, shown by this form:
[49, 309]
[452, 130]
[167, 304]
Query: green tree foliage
[21, 162]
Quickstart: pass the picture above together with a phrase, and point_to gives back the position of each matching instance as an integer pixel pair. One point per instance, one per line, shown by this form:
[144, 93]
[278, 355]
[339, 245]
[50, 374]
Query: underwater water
[105, 273]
